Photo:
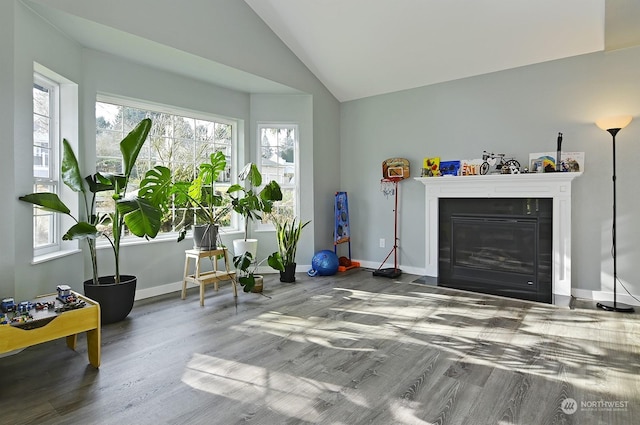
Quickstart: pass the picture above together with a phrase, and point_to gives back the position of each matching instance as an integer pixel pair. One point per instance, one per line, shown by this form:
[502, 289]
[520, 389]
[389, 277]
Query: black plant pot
[289, 273]
[205, 237]
[115, 299]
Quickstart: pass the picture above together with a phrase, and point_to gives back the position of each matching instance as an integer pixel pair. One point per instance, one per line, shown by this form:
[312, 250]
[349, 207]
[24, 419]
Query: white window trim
[236, 225]
[269, 227]
[54, 161]
[66, 126]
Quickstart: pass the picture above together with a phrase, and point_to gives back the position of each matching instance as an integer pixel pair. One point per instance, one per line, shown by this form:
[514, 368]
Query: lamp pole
[613, 130]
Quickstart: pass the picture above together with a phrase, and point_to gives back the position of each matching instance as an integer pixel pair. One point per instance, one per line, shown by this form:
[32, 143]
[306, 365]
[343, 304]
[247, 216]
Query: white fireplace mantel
[532, 185]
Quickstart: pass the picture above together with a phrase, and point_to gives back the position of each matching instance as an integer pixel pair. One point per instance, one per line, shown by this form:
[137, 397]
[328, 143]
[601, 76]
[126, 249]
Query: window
[179, 140]
[46, 142]
[279, 161]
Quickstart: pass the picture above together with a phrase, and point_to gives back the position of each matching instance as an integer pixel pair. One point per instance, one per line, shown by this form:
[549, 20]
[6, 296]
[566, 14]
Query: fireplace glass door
[495, 250]
[496, 246]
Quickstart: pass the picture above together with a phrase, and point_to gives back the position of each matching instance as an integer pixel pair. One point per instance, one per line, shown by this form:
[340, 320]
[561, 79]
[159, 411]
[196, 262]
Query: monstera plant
[142, 214]
[251, 204]
[201, 197]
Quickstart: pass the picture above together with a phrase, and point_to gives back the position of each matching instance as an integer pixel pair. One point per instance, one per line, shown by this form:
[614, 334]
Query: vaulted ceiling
[360, 48]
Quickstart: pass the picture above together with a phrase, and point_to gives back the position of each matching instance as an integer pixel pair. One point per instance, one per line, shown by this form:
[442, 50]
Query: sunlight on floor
[259, 386]
[467, 331]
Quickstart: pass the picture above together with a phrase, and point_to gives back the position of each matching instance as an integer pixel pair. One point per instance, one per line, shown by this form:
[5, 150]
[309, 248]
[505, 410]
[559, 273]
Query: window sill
[168, 237]
[54, 255]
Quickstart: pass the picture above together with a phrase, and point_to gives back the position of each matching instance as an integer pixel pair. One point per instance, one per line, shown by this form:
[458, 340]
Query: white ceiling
[361, 48]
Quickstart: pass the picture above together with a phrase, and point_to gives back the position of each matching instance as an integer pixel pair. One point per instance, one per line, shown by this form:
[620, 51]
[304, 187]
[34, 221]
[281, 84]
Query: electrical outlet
[382, 242]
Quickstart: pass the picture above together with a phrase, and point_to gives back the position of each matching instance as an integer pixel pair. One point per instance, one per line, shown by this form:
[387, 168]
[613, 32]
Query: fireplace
[553, 186]
[499, 246]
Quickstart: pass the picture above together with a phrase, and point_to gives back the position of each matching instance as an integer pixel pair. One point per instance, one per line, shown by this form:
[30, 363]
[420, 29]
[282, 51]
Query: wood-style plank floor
[345, 349]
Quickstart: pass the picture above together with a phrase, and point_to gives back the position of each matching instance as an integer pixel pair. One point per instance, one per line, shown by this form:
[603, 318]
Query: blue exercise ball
[324, 263]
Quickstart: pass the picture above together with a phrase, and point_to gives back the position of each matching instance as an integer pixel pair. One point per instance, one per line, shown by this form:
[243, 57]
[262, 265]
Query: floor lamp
[613, 125]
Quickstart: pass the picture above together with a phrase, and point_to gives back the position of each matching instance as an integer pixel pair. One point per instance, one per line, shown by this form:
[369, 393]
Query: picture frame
[541, 162]
[431, 167]
[450, 168]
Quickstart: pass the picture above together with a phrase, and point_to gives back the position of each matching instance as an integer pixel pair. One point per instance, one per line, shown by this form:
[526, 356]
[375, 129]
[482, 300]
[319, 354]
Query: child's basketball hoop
[395, 168]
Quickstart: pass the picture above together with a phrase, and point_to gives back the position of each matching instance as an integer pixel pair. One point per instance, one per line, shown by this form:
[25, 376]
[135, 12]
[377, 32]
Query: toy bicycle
[510, 166]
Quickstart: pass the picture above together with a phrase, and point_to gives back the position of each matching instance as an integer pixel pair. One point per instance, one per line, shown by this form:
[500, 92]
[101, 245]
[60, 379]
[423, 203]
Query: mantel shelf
[499, 178]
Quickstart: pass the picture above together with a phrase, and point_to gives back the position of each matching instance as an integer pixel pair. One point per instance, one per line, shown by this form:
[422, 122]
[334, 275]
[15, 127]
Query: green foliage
[141, 213]
[288, 234]
[200, 195]
[247, 267]
[246, 202]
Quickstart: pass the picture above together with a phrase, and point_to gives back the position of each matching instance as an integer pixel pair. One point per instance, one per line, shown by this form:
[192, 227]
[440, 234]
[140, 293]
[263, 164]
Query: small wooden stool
[206, 278]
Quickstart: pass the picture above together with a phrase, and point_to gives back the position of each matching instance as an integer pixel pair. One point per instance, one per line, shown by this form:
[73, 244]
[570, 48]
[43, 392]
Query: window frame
[53, 180]
[175, 111]
[295, 187]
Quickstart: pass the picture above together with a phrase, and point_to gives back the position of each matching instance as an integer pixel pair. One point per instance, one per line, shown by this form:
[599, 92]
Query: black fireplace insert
[498, 246]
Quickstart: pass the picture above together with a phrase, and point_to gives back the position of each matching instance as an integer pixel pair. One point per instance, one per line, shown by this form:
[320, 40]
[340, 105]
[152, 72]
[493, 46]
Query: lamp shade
[620, 121]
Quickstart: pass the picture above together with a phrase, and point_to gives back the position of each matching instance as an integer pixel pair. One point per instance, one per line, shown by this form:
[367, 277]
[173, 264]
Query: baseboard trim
[604, 296]
[576, 292]
[404, 269]
[168, 288]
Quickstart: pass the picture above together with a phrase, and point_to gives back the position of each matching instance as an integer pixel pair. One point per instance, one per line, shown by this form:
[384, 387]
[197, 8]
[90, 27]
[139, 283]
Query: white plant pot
[240, 246]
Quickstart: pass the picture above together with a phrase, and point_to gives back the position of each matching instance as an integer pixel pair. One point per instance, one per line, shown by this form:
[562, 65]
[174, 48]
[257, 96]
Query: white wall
[517, 112]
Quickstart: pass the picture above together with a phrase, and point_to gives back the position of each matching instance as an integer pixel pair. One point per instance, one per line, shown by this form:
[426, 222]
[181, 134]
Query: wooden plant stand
[206, 278]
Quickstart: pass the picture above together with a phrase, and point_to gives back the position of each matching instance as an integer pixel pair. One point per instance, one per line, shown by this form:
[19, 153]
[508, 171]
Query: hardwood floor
[346, 349]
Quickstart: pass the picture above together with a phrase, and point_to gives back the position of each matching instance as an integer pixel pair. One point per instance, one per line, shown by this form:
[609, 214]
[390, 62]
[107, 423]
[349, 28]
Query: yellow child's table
[64, 324]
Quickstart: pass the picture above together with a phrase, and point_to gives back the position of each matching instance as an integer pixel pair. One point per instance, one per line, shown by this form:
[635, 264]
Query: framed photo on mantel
[546, 161]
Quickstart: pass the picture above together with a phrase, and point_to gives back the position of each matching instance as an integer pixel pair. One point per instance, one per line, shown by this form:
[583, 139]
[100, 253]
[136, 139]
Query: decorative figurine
[64, 292]
[8, 305]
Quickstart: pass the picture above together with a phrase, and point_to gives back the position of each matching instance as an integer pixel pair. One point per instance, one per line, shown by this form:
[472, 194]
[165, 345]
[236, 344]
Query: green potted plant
[250, 204]
[246, 272]
[142, 214]
[288, 234]
[200, 197]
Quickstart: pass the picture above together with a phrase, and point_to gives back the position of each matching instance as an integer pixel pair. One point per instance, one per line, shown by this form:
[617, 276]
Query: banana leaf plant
[142, 213]
[249, 203]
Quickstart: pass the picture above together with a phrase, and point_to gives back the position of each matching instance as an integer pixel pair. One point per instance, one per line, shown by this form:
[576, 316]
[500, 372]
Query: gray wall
[517, 112]
[159, 263]
[34, 42]
[290, 109]
[235, 36]
[7, 224]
